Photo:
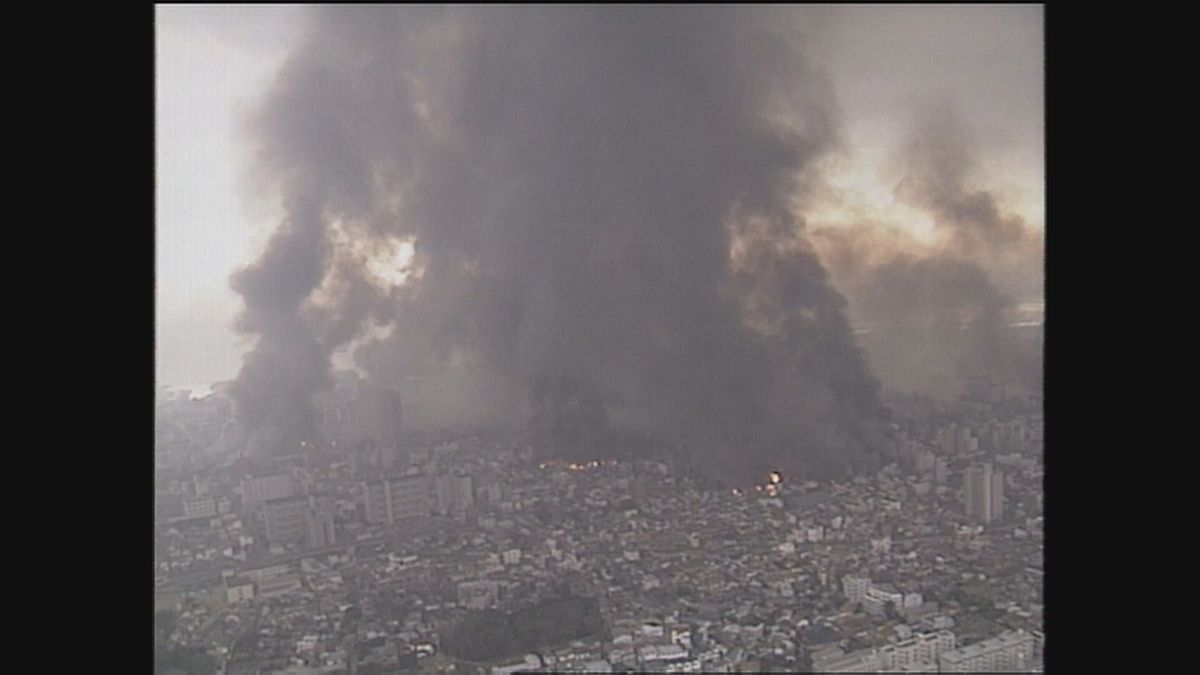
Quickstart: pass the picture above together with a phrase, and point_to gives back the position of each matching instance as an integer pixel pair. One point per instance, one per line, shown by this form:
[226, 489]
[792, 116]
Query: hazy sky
[212, 63]
[886, 64]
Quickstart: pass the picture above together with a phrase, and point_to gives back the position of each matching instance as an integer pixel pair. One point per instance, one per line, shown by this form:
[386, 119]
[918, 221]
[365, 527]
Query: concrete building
[946, 438]
[877, 598]
[657, 653]
[239, 590]
[681, 634]
[860, 661]
[199, 507]
[284, 520]
[262, 488]
[367, 458]
[1009, 651]
[855, 588]
[922, 649]
[302, 519]
[965, 442]
[396, 498]
[924, 461]
[529, 663]
[983, 493]
[318, 529]
[941, 471]
[453, 494]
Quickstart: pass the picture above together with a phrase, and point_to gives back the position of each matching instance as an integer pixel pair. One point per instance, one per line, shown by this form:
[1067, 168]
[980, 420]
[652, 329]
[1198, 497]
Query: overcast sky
[213, 63]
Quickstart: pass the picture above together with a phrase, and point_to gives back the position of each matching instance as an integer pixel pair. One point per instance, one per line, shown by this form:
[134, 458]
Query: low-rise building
[280, 585]
[860, 661]
[239, 590]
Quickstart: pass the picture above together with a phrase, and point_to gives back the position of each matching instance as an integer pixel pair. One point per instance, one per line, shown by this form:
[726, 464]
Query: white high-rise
[983, 492]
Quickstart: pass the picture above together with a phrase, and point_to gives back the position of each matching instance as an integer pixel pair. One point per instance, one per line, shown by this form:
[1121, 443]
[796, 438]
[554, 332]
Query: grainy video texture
[599, 339]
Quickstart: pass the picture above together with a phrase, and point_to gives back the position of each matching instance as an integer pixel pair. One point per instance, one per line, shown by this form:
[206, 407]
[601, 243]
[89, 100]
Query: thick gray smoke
[941, 314]
[599, 199]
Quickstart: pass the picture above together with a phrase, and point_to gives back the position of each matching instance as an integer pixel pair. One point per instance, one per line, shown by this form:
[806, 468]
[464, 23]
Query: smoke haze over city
[450, 267]
[603, 195]
[625, 205]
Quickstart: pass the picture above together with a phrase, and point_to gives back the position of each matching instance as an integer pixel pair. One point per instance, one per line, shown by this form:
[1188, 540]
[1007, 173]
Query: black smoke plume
[600, 200]
[940, 314]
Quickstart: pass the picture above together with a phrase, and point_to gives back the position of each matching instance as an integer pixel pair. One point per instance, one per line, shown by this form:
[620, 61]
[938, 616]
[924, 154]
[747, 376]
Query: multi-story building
[1010, 651]
[654, 654]
[199, 507]
[965, 441]
[258, 489]
[861, 661]
[855, 588]
[454, 494]
[941, 471]
[947, 439]
[876, 599]
[285, 520]
[924, 461]
[318, 529]
[922, 649]
[239, 590]
[396, 498]
[306, 519]
[368, 458]
[983, 493]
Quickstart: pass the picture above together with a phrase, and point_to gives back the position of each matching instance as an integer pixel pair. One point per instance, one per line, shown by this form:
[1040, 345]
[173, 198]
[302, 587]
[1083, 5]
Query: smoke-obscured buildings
[983, 491]
[304, 519]
[397, 498]
[454, 495]
[199, 507]
[261, 488]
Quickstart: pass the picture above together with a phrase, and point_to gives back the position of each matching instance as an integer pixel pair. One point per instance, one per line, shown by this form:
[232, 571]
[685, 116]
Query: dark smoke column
[601, 199]
[273, 393]
[939, 312]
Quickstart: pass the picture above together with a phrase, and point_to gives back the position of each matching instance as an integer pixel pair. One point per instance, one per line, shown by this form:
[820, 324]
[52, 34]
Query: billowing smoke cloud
[600, 203]
[568, 415]
[938, 161]
[940, 314]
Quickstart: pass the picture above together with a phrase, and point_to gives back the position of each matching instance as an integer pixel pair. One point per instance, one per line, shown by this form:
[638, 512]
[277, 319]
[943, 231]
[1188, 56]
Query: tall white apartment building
[983, 492]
